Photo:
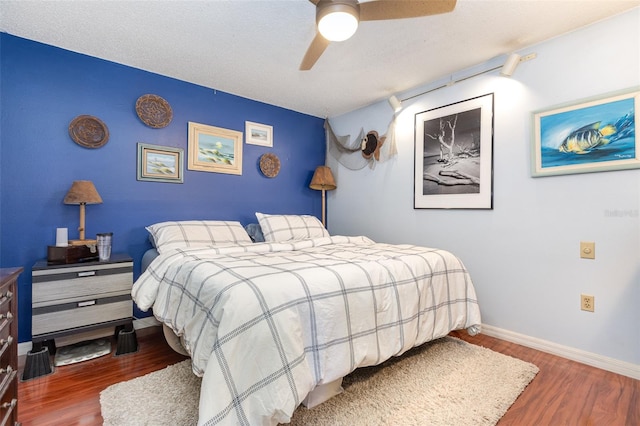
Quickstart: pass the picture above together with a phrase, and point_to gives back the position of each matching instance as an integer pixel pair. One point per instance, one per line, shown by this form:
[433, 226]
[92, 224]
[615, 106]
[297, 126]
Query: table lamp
[82, 192]
[323, 181]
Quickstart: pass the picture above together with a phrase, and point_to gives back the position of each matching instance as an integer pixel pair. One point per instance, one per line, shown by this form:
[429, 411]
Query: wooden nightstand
[76, 299]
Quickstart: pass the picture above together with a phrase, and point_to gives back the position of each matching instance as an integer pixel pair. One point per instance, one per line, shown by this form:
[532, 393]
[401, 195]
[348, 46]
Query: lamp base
[83, 242]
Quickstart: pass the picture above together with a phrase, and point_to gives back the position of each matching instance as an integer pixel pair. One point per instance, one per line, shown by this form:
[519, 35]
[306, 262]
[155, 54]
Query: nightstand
[78, 299]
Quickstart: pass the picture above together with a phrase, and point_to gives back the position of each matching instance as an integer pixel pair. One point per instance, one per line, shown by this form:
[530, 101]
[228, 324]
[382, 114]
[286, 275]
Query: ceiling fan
[337, 20]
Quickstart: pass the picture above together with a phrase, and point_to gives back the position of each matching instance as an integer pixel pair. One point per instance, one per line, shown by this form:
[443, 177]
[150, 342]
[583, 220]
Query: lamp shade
[323, 179]
[82, 192]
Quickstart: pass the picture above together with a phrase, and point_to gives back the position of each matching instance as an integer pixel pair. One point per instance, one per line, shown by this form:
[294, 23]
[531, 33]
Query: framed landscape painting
[592, 135]
[258, 134]
[454, 156]
[214, 149]
[160, 163]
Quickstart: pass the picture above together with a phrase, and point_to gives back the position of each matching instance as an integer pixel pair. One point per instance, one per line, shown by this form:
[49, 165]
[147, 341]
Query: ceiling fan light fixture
[337, 21]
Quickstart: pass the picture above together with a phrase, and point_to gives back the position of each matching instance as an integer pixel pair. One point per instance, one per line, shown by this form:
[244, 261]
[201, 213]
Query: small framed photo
[591, 135]
[454, 156]
[160, 163]
[258, 134]
[214, 149]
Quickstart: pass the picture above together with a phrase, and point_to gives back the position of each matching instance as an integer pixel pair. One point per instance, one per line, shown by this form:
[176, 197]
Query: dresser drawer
[6, 346]
[59, 286]
[57, 318]
[9, 398]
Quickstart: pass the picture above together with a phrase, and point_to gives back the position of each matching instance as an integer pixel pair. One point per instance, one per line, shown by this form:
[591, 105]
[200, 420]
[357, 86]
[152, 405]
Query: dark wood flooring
[563, 393]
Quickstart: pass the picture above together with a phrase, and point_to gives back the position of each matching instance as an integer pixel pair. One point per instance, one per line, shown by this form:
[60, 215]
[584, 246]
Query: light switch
[587, 250]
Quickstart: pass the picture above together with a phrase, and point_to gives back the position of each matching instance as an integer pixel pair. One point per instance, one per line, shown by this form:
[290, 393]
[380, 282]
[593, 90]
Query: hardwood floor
[563, 393]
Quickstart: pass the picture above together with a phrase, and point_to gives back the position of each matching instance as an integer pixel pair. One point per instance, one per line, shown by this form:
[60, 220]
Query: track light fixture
[510, 65]
[395, 103]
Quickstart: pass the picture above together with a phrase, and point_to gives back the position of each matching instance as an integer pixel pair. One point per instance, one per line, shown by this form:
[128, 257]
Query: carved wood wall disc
[88, 131]
[270, 165]
[154, 111]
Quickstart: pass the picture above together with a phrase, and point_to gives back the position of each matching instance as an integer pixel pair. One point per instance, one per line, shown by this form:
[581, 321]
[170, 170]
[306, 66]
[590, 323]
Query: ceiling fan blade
[399, 9]
[317, 46]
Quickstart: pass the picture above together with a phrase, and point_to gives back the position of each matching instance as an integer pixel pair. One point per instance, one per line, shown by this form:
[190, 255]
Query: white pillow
[277, 228]
[196, 233]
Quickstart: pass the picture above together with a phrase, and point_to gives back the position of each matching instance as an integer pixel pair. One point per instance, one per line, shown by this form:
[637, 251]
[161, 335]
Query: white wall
[524, 254]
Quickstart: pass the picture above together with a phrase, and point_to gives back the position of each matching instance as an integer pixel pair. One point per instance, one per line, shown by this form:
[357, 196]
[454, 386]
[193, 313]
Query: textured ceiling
[254, 48]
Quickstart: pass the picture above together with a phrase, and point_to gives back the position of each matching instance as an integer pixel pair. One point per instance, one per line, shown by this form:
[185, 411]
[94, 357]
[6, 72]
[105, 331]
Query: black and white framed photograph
[454, 156]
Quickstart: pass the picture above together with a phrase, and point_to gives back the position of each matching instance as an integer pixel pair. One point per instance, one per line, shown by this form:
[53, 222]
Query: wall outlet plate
[587, 302]
[587, 250]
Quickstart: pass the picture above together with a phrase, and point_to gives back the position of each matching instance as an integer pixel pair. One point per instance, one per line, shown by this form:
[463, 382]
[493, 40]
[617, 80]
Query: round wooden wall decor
[88, 131]
[270, 165]
[154, 111]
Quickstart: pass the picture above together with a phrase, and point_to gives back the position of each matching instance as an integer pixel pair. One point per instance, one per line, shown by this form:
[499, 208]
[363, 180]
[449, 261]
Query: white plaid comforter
[265, 323]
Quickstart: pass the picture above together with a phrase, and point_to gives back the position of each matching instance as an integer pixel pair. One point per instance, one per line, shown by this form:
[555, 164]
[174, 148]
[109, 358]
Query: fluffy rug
[445, 382]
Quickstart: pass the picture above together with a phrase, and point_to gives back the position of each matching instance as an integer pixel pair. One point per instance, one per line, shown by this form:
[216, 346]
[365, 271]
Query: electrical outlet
[587, 302]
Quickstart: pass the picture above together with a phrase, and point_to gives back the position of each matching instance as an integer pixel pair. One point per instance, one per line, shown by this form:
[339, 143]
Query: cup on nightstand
[104, 246]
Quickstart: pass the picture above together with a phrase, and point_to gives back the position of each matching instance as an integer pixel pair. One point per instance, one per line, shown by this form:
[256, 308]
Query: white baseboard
[605, 363]
[25, 347]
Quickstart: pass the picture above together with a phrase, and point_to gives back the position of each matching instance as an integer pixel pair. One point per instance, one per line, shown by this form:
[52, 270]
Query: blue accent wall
[43, 88]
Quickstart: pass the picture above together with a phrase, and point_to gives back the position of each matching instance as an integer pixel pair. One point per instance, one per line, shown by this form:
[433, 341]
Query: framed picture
[214, 149]
[258, 134]
[591, 135]
[454, 156]
[160, 163]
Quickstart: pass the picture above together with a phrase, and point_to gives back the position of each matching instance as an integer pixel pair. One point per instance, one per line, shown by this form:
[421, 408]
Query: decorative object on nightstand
[323, 181]
[82, 192]
[9, 345]
[79, 302]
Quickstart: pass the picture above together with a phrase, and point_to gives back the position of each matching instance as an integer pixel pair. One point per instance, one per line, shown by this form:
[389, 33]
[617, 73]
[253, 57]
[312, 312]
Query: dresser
[77, 299]
[9, 346]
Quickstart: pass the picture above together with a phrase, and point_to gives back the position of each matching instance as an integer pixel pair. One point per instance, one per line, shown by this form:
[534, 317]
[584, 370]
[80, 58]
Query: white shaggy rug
[445, 382]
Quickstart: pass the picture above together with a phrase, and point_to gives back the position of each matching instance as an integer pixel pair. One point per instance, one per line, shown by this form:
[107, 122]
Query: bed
[270, 325]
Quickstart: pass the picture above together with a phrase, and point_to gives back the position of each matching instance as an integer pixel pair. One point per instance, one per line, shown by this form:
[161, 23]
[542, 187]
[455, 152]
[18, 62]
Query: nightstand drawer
[58, 286]
[87, 312]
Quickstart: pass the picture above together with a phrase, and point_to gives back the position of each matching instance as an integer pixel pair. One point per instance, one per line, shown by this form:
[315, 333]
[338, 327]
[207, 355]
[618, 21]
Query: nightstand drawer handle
[7, 370]
[11, 404]
[87, 303]
[86, 274]
[8, 316]
[6, 342]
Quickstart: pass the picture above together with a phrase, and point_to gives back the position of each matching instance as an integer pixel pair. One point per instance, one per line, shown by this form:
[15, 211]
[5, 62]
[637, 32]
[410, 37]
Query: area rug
[445, 382]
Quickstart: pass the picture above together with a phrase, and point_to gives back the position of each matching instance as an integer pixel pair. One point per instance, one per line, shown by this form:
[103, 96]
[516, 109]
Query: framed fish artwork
[591, 135]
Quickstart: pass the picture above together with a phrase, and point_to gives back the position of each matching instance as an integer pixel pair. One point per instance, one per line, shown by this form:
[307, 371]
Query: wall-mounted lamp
[395, 103]
[323, 180]
[510, 65]
[82, 192]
